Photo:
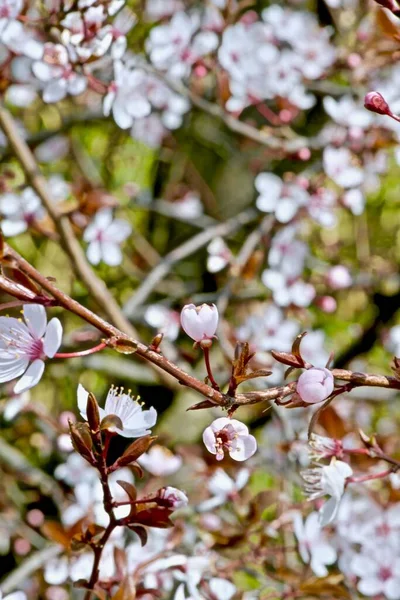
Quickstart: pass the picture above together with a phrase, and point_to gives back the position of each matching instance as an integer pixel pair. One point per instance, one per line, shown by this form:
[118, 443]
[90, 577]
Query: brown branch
[95, 286]
[116, 336]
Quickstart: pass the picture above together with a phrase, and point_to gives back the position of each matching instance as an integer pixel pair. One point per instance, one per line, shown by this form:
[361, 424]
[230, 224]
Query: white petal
[111, 254]
[11, 228]
[12, 368]
[31, 377]
[55, 91]
[53, 337]
[328, 511]
[93, 252]
[82, 400]
[246, 446]
[370, 586]
[36, 319]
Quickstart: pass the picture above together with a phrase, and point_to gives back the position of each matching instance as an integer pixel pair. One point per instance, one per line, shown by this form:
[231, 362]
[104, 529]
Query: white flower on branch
[313, 545]
[229, 435]
[105, 235]
[19, 211]
[327, 480]
[135, 421]
[223, 488]
[24, 346]
[160, 461]
[199, 322]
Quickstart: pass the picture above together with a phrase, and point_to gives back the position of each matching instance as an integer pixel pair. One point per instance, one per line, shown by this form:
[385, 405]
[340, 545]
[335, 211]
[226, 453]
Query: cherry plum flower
[127, 98]
[223, 488]
[338, 165]
[19, 211]
[313, 545]
[25, 345]
[160, 461]
[277, 197]
[315, 385]
[135, 421]
[57, 74]
[199, 322]
[379, 572]
[229, 435]
[105, 235]
[327, 480]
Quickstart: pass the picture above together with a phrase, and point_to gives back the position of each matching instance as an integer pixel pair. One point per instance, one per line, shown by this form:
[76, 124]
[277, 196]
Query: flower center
[225, 441]
[385, 573]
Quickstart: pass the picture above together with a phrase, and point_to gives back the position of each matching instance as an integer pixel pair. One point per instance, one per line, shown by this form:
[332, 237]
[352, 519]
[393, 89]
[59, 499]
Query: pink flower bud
[173, 498]
[315, 385]
[339, 277]
[375, 102]
[199, 322]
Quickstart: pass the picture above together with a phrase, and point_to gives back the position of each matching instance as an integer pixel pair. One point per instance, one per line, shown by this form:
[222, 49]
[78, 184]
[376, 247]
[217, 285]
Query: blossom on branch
[313, 545]
[135, 421]
[315, 385]
[105, 235]
[25, 346]
[229, 435]
[327, 480]
[199, 322]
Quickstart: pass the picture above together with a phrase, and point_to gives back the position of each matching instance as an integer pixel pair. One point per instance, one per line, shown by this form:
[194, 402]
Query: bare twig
[183, 251]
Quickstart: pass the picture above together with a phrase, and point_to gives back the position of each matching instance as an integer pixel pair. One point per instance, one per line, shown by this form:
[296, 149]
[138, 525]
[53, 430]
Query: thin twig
[183, 251]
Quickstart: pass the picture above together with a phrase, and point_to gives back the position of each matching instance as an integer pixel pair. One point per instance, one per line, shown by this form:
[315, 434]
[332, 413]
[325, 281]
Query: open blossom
[229, 435]
[379, 572]
[315, 385]
[282, 199]
[160, 461]
[24, 346]
[338, 165]
[199, 322]
[223, 488]
[313, 545]
[19, 211]
[135, 421]
[57, 74]
[105, 235]
[327, 480]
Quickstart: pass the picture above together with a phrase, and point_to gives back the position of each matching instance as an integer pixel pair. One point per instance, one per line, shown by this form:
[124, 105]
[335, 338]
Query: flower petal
[36, 319]
[246, 446]
[53, 337]
[82, 400]
[31, 377]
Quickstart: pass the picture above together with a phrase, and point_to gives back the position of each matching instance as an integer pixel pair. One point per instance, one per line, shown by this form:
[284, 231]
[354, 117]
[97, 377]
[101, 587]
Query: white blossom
[105, 235]
[25, 345]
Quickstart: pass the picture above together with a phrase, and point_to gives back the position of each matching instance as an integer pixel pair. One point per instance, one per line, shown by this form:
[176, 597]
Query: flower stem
[214, 384]
[370, 477]
[97, 348]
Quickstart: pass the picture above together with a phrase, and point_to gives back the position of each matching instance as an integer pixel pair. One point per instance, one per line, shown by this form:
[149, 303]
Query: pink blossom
[229, 435]
[315, 385]
[199, 322]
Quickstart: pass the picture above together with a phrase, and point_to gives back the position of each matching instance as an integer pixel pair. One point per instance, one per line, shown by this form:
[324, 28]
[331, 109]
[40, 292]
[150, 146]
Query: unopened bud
[81, 440]
[375, 102]
[199, 322]
[92, 412]
[315, 385]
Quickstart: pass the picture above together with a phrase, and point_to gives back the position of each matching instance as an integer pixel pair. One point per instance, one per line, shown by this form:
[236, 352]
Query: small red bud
[375, 102]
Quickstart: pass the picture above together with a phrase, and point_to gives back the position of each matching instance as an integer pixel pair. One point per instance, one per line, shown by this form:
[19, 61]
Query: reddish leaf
[141, 532]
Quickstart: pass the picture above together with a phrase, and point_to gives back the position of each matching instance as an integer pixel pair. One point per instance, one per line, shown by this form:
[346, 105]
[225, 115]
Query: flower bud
[199, 322]
[172, 498]
[315, 385]
[375, 102]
